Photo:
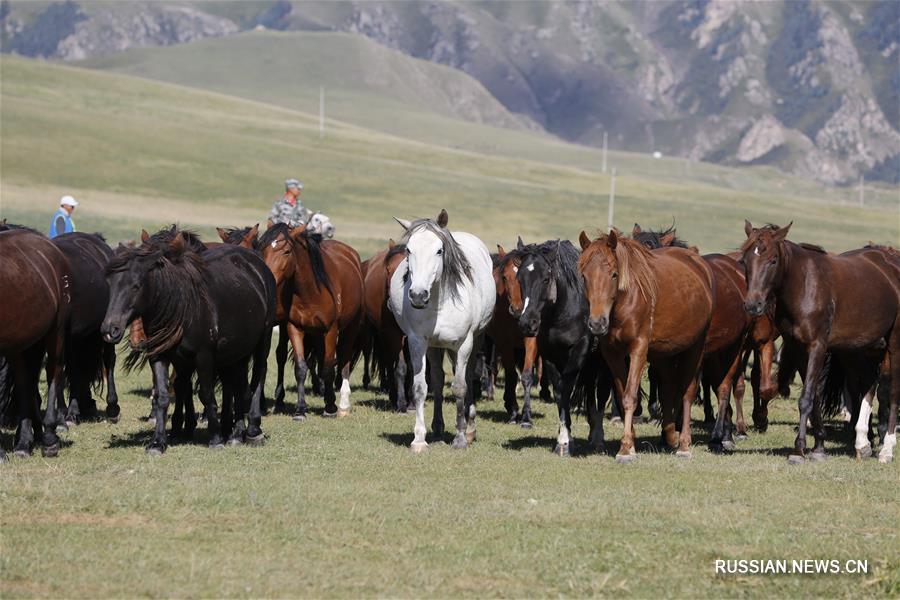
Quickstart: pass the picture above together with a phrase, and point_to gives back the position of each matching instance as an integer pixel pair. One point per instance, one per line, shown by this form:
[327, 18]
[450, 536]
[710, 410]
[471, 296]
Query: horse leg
[345, 345]
[653, 403]
[861, 444]
[281, 356]
[161, 385]
[436, 368]
[689, 367]
[206, 379]
[708, 416]
[594, 408]
[814, 365]
[528, 373]
[892, 362]
[54, 370]
[764, 357]
[184, 403]
[738, 388]
[26, 395]
[462, 375]
[300, 370]
[326, 373]
[399, 379]
[509, 387]
[257, 388]
[112, 397]
[417, 349]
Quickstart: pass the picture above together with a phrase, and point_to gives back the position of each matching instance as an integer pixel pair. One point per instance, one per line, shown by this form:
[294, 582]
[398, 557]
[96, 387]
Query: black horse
[88, 357]
[554, 308]
[209, 312]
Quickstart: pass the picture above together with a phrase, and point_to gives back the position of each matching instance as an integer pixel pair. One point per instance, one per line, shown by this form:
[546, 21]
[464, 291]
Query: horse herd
[583, 322]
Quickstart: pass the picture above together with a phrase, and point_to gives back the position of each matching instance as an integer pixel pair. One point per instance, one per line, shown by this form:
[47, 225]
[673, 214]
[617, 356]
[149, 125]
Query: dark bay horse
[508, 340]
[818, 302]
[554, 310]
[386, 336]
[34, 312]
[88, 357]
[319, 294]
[209, 312]
[629, 288]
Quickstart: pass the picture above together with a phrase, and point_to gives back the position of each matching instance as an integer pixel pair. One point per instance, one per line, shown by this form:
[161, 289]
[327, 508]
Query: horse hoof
[235, 441]
[885, 459]
[299, 418]
[741, 437]
[526, 425]
[470, 437]
[155, 450]
[63, 427]
[50, 451]
[459, 443]
[329, 415]
[216, 446]
[796, 459]
[22, 453]
[716, 448]
[562, 450]
[864, 452]
[69, 424]
[817, 456]
[344, 412]
[616, 421]
[418, 447]
[598, 449]
[624, 459]
[113, 420]
[729, 445]
[151, 422]
[685, 454]
[256, 440]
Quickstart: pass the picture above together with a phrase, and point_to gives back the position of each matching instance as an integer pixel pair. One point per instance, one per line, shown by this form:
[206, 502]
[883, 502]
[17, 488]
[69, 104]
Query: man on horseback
[289, 209]
[62, 221]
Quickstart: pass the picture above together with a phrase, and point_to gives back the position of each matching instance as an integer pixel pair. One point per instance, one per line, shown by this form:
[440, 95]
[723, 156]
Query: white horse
[443, 297]
[321, 224]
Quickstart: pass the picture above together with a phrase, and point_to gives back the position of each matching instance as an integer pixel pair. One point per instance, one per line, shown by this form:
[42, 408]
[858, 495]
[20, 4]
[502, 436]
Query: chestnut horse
[654, 306]
[818, 299]
[508, 340]
[34, 314]
[320, 293]
[387, 338]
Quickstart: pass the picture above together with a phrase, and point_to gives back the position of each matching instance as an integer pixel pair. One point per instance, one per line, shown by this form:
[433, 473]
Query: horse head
[536, 276]
[321, 224]
[277, 247]
[763, 258]
[599, 266]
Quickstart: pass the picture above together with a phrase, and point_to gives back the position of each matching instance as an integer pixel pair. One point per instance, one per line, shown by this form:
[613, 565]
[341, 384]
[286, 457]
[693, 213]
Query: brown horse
[320, 293]
[818, 299]
[34, 313]
[508, 340]
[654, 306]
[386, 336]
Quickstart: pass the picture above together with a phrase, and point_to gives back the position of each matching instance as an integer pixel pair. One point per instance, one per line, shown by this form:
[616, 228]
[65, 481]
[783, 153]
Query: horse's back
[685, 300]
[864, 281]
[729, 318]
[87, 255]
[34, 279]
[241, 287]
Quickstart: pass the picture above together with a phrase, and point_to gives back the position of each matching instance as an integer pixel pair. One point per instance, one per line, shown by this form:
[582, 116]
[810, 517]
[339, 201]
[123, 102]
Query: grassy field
[336, 508]
[342, 508]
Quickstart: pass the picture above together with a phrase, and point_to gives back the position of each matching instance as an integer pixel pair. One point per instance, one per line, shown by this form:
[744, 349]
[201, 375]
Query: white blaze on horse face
[425, 264]
[530, 267]
[525, 306]
[756, 251]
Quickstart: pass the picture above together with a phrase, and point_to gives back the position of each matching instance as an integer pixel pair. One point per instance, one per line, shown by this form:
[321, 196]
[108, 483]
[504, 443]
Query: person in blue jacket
[62, 221]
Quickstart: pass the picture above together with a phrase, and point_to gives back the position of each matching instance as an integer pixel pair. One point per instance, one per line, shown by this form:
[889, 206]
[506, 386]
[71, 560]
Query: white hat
[68, 201]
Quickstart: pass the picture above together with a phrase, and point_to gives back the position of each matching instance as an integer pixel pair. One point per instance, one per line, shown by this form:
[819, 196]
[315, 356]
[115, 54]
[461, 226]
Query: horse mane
[565, 267]
[633, 260]
[812, 247]
[653, 239]
[235, 235]
[175, 281]
[392, 252]
[313, 246]
[168, 235]
[4, 226]
[456, 266]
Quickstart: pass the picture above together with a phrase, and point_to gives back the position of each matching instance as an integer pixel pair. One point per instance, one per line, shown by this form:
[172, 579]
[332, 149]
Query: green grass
[333, 508]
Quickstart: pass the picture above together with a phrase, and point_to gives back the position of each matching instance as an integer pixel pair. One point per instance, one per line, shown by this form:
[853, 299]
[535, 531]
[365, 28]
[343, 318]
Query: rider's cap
[292, 183]
[68, 201]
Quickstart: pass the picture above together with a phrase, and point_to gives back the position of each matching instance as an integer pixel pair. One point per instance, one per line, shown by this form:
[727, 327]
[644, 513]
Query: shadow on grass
[8, 442]
[405, 439]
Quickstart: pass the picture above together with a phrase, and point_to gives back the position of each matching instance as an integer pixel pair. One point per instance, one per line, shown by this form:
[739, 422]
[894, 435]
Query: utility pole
[862, 189]
[605, 135]
[321, 112]
[612, 196]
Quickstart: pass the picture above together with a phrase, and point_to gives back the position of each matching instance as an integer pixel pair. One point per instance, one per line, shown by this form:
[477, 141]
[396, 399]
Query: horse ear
[782, 233]
[584, 240]
[269, 223]
[178, 243]
[222, 234]
[296, 231]
[254, 231]
[667, 239]
[636, 229]
[520, 245]
[391, 244]
[3, 222]
[500, 251]
[250, 238]
[748, 227]
[443, 218]
[612, 239]
[554, 254]
[145, 237]
[403, 223]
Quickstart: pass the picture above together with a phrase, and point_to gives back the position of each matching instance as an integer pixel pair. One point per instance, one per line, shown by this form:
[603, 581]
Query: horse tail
[788, 365]
[831, 385]
[7, 406]
[136, 359]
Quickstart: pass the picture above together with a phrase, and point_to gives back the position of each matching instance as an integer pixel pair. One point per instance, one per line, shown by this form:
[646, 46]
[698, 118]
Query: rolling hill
[140, 153]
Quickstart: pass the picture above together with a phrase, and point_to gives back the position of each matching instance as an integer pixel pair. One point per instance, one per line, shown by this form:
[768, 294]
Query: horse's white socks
[887, 451]
[862, 423]
[345, 395]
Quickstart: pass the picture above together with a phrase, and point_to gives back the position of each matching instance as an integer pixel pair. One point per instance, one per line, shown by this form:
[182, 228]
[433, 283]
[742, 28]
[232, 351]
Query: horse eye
[440, 251]
[615, 275]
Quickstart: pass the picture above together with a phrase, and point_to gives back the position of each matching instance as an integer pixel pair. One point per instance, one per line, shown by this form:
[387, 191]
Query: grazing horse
[654, 306]
[443, 297]
[386, 335]
[508, 340]
[211, 312]
[319, 295]
[88, 357]
[34, 314]
[818, 301]
[548, 298]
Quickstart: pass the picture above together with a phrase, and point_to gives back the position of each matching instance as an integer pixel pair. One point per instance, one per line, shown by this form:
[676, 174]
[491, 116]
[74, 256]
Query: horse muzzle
[599, 326]
[530, 326]
[755, 308]
[112, 334]
[419, 298]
